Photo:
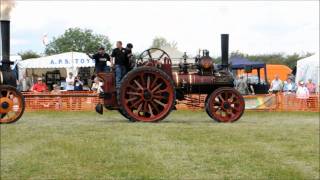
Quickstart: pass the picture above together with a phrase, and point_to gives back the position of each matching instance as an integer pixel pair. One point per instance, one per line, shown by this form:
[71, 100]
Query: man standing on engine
[129, 57]
[119, 56]
[101, 59]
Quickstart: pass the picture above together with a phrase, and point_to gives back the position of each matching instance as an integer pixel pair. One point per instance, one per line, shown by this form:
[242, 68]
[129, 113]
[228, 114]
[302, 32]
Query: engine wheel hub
[5, 105]
[147, 95]
[226, 105]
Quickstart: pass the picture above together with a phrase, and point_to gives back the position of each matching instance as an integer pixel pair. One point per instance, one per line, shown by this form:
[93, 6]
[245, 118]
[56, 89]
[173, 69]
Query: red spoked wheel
[146, 94]
[225, 105]
[11, 104]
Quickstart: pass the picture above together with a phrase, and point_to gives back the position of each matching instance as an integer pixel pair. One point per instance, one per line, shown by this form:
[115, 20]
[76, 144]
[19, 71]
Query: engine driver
[119, 55]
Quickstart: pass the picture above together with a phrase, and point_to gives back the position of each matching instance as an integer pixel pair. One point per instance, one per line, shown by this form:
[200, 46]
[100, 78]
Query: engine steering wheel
[153, 57]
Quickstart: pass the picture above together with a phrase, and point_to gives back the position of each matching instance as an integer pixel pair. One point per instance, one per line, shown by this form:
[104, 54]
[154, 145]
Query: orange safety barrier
[289, 102]
[66, 101]
[261, 102]
[87, 100]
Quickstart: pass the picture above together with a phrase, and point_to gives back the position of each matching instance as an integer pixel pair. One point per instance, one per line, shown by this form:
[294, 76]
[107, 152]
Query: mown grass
[187, 145]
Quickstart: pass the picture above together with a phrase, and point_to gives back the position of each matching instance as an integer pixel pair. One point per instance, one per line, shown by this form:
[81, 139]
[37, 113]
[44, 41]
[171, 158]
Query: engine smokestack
[5, 9]
[5, 43]
[7, 75]
[225, 50]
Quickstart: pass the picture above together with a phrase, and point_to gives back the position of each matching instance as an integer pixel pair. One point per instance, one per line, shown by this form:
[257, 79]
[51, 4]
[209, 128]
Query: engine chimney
[6, 74]
[224, 51]
[5, 43]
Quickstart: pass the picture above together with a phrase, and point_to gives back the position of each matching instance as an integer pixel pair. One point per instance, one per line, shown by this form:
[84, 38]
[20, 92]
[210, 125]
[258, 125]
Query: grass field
[187, 145]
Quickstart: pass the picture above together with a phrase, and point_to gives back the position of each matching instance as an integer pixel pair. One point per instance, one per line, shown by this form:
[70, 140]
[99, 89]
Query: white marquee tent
[308, 68]
[69, 61]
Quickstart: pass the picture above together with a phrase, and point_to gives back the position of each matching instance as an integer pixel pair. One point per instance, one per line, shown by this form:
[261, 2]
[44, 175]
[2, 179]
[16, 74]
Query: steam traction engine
[11, 101]
[149, 92]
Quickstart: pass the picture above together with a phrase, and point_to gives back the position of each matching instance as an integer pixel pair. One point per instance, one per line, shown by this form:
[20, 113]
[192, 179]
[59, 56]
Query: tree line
[85, 40]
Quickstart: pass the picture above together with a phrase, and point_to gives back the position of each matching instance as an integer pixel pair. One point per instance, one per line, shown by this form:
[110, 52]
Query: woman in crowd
[311, 86]
[78, 84]
[289, 86]
[302, 95]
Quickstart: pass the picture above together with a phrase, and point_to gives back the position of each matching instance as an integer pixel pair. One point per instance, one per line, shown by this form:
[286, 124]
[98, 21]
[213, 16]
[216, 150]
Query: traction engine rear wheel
[225, 105]
[11, 104]
[146, 94]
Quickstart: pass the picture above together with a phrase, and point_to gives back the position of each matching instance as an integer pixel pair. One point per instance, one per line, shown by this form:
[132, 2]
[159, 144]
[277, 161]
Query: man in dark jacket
[101, 59]
[129, 61]
[119, 55]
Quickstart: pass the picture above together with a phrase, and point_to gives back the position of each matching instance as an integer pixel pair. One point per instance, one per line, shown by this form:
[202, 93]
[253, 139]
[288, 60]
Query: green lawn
[187, 145]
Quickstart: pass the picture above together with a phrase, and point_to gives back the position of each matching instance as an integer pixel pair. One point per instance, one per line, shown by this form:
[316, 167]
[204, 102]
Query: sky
[254, 27]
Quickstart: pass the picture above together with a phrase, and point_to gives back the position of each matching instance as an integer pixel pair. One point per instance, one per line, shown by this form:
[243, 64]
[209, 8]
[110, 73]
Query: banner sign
[260, 102]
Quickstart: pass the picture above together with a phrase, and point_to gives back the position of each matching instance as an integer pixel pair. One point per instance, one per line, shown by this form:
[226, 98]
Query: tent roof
[64, 60]
[308, 68]
[240, 63]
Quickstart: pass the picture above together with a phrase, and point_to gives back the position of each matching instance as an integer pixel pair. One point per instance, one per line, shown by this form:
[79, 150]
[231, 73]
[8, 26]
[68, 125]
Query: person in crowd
[241, 86]
[78, 84]
[101, 58]
[70, 82]
[39, 86]
[129, 60]
[289, 86]
[311, 86]
[57, 100]
[56, 89]
[276, 85]
[119, 56]
[302, 95]
[292, 77]
[96, 85]
[25, 83]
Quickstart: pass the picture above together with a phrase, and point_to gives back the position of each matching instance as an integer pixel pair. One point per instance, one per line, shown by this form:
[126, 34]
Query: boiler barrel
[192, 79]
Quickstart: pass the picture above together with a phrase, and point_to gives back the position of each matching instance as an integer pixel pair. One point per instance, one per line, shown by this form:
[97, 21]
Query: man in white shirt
[276, 84]
[70, 82]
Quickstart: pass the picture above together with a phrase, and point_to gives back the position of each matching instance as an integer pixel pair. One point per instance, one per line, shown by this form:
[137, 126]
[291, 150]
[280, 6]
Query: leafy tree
[28, 55]
[161, 42]
[79, 40]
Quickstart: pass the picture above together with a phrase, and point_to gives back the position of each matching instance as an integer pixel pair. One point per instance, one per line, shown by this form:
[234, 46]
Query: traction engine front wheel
[225, 105]
[146, 94]
[11, 104]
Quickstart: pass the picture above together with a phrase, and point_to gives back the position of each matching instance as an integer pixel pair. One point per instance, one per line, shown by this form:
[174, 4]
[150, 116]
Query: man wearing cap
[119, 55]
[39, 86]
[101, 58]
[129, 57]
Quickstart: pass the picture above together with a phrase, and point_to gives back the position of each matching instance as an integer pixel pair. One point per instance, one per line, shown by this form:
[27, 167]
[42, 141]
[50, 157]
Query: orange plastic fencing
[66, 101]
[87, 100]
[289, 102]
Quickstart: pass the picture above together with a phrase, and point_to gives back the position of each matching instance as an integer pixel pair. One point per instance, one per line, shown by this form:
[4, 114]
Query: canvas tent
[69, 62]
[308, 68]
[241, 63]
